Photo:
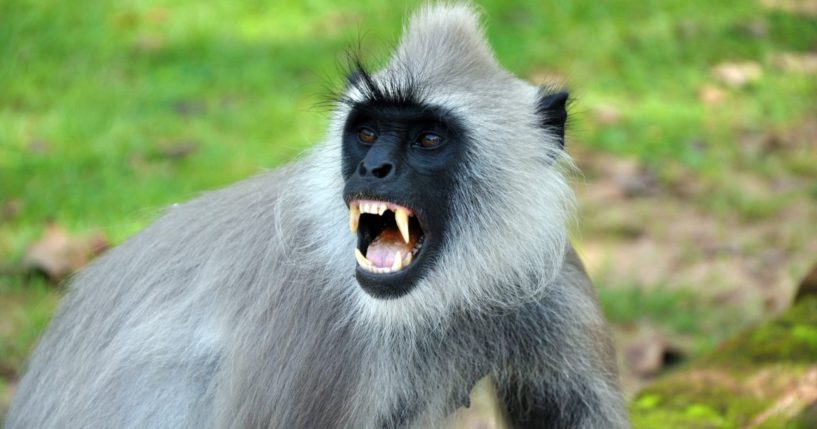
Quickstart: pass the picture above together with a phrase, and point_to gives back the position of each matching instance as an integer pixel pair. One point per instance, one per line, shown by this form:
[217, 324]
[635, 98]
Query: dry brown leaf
[797, 62]
[802, 7]
[711, 95]
[738, 75]
[57, 253]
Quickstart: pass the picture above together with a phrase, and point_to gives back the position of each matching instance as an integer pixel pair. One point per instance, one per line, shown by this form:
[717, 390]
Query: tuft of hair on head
[451, 34]
[441, 43]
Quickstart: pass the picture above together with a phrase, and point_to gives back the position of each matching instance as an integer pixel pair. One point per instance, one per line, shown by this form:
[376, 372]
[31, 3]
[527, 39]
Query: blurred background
[694, 124]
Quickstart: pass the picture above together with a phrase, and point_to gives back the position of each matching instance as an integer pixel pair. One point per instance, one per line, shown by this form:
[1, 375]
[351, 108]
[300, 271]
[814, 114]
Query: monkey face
[399, 159]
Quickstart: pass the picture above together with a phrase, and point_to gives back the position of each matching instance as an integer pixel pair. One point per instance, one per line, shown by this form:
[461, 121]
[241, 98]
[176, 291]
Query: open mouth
[389, 235]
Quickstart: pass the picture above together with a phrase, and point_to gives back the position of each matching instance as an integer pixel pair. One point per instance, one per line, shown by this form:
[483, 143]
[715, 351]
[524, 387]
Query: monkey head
[450, 169]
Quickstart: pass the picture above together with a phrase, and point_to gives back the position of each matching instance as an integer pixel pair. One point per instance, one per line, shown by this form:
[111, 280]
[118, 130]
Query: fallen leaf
[57, 254]
[738, 75]
[801, 7]
[711, 95]
[805, 63]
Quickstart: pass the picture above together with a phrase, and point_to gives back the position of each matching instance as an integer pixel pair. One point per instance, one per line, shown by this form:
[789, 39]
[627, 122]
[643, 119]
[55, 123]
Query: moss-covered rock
[763, 378]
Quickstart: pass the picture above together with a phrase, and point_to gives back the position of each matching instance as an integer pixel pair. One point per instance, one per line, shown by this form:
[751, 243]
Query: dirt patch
[663, 238]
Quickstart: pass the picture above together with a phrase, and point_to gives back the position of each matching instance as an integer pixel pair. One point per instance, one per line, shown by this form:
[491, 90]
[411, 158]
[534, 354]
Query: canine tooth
[365, 263]
[398, 261]
[354, 217]
[401, 218]
[407, 259]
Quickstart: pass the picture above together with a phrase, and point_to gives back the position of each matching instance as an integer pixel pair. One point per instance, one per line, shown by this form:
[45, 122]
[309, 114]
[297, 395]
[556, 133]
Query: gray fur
[240, 309]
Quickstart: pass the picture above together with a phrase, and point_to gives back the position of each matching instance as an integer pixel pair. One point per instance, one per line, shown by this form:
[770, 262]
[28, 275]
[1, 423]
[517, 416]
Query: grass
[93, 99]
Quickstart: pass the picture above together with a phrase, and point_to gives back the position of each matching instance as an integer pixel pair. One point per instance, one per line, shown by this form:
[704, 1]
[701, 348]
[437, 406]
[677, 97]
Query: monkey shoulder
[545, 385]
[147, 319]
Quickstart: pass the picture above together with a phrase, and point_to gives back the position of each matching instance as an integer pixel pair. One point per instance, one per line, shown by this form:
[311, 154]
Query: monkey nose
[379, 170]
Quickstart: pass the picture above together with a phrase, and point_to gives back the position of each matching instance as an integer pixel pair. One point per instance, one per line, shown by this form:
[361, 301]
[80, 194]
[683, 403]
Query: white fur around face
[513, 200]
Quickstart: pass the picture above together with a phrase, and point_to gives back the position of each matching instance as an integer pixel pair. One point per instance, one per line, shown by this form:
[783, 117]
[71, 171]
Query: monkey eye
[429, 140]
[366, 135]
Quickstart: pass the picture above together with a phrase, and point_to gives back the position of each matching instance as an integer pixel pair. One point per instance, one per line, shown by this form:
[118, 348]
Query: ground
[694, 125]
[765, 377]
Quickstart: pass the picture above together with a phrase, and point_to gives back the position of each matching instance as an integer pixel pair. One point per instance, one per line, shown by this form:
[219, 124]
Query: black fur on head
[386, 90]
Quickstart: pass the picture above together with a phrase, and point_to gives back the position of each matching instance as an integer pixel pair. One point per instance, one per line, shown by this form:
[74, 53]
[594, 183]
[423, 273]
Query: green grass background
[92, 94]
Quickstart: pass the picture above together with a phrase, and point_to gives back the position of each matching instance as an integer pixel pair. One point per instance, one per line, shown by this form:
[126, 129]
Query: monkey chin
[392, 247]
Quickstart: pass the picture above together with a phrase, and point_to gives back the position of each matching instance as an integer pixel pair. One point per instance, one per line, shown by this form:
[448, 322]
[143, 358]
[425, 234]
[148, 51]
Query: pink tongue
[382, 250]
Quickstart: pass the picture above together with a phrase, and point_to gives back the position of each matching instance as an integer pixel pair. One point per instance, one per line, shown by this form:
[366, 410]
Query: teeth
[354, 217]
[372, 208]
[398, 261]
[401, 218]
[365, 263]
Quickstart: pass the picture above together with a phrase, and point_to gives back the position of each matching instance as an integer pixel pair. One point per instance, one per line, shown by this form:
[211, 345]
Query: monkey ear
[552, 111]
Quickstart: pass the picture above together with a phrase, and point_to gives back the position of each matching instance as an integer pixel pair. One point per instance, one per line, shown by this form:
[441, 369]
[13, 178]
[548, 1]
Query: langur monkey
[420, 248]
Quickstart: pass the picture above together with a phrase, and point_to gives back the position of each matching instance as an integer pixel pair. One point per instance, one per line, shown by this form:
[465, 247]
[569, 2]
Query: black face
[399, 158]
